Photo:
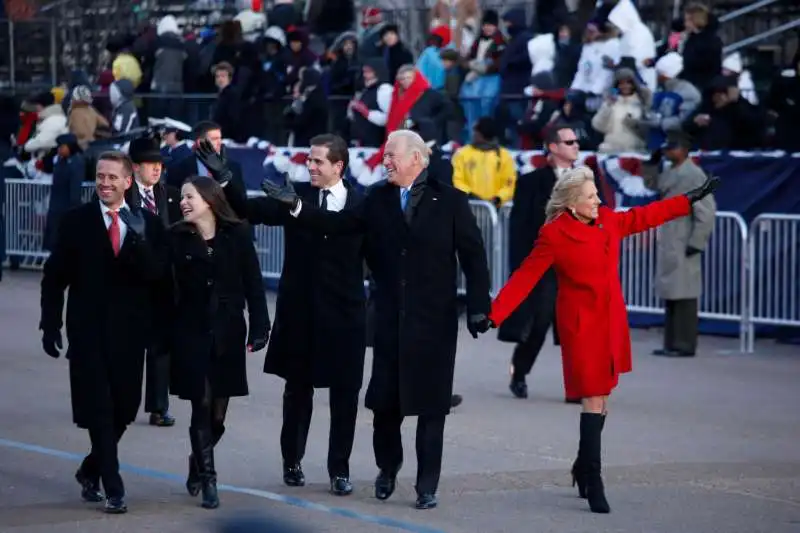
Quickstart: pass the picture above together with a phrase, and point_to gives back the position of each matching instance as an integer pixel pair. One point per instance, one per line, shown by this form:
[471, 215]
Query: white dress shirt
[336, 199]
[123, 228]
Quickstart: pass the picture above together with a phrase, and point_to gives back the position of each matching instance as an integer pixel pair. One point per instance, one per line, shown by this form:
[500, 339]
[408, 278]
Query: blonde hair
[566, 191]
[412, 143]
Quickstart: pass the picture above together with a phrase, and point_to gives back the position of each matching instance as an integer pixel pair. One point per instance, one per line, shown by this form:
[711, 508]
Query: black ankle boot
[590, 454]
[203, 452]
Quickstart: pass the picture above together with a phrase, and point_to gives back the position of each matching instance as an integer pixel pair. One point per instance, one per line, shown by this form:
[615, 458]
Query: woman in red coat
[581, 241]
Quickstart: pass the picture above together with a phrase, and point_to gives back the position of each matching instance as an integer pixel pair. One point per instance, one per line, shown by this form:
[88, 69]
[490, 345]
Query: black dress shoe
[426, 501]
[663, 352]
[384, 485]
[455, 400]
[90, 488]
[116, 505]
[518, 388]
[341, 486]
[293, 475]
[163, 420]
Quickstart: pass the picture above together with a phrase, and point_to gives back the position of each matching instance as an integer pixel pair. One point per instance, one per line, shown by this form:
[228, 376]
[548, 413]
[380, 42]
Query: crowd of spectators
[287, 75]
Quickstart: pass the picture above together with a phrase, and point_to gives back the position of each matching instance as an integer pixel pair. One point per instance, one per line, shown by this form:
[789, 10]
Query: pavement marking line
[273, 496]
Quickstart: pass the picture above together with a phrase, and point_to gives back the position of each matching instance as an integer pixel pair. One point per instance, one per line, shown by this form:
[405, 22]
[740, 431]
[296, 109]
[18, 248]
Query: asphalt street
[692, 445]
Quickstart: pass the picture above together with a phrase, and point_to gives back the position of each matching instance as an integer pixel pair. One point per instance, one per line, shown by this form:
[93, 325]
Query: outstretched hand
[284, 194]
[704, 190]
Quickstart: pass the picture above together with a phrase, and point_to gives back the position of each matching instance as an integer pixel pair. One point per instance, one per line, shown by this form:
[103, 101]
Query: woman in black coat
[215, 270]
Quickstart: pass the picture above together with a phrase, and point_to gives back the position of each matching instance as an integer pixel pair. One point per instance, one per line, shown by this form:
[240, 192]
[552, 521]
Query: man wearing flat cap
[150, 193]
[681, 243]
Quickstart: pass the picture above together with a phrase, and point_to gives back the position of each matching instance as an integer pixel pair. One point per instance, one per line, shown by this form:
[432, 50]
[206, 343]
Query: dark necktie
[150, 201]
[324, 204]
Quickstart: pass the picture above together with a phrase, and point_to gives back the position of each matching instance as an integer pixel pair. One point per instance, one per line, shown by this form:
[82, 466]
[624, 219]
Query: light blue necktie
[403, 198]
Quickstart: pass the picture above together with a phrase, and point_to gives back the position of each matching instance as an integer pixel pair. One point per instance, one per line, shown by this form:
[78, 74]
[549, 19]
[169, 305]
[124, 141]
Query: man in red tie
[112, 258]
[151, 193]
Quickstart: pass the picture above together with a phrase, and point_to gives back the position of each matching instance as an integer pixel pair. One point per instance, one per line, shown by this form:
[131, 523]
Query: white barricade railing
[269, 246]
[724, 268]
[774, 280]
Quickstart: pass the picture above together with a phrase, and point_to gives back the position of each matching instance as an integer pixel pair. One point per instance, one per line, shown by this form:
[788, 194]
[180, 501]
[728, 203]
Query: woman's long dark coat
[111, 311]
[208, 327]
[414, 257]
[319, 335]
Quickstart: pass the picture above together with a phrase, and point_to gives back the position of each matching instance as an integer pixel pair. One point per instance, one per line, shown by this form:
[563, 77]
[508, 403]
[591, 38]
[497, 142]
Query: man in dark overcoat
[319, 337]
[149, 192]
[112, 259]
[417, 231]
[209, 134]
[528, 325]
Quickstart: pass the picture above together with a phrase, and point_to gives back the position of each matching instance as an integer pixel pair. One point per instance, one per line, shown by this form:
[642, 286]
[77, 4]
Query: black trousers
[388, 446]
[681, 325]
[102, 463]
[298, 404]
[156, 392]
[543, 310]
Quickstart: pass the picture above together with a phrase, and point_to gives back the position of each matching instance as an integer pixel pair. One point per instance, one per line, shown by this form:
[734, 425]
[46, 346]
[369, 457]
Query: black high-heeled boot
[590, 454]
[203, 452]
[579, 471]
[193, 483]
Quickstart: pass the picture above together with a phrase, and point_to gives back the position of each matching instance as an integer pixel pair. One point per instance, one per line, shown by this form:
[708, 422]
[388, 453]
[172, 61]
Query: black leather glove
[284, 194]
[704, 190]
[134, 220]
[256, 342]
[479, 323]
[51, 343]
[691, 250]
[216, 163]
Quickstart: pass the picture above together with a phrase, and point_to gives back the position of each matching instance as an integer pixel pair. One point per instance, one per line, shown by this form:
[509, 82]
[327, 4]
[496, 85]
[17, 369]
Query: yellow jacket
[126, 67]
[485, 173]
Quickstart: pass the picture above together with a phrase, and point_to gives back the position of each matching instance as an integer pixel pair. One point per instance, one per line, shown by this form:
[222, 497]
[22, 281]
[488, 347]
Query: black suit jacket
[167, 197]
[319, 335]
[235, 190]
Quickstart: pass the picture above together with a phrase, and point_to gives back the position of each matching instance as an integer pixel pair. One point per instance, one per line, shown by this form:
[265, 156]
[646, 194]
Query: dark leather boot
[590, 453]
[203, 451]
[193, 483]
[579, 470]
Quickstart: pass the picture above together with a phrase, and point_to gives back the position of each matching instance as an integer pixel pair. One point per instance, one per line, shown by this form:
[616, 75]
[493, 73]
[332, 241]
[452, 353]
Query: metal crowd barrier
[750, 276]
[773, 285]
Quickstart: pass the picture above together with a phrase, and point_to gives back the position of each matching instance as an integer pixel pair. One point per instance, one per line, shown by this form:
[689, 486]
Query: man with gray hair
[417, 231]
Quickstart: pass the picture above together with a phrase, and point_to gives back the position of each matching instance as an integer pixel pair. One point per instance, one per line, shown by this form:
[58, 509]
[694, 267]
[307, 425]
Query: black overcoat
[209, 334]
[319, 335]
[414, 257]
[531, 195]
[111, 310]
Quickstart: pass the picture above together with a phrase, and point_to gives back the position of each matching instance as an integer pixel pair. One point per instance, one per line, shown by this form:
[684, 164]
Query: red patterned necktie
[150, 201]
[113, 232]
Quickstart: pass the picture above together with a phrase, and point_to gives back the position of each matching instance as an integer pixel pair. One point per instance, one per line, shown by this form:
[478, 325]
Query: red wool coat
[590, 311]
